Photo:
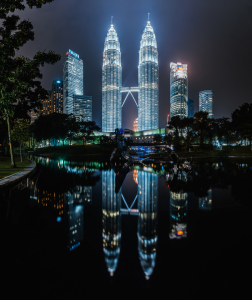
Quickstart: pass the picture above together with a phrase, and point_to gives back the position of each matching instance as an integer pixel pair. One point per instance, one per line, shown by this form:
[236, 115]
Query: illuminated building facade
[111, 83]
[56, 97]
[46, 104]
[73, 80]
[206, 102]
[111, 220]
[147, 220]
[135, 125]
[190, 108]
[148, 98]
[178, 90]
[82, 107]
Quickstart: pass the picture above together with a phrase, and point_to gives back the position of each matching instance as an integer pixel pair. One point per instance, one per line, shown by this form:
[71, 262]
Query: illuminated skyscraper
[206, 102]
[111, 83]
[178, 90]
[82, 107]
[73, 80]
[148, 99]
[57, 97]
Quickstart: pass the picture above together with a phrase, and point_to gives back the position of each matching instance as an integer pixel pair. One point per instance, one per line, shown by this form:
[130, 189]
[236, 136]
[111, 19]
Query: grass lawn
[6, 170]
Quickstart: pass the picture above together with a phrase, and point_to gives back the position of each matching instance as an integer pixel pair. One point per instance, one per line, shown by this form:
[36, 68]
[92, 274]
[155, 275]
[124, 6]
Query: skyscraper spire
[111, 83]
[148, 99]
[111, 20]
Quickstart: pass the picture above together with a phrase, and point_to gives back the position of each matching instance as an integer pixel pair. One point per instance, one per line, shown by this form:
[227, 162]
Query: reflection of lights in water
[135, 176]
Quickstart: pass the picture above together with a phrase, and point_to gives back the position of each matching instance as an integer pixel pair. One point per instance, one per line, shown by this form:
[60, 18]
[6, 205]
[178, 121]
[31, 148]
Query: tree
[187, 125]
[242, 121]
[157, 138]
[21, 132]
[201, 125]
[175, 123]
[19, 76]
[55, 126]
[86, 129]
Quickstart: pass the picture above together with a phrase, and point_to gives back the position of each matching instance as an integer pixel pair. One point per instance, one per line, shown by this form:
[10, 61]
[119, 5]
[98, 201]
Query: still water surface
[75, 228]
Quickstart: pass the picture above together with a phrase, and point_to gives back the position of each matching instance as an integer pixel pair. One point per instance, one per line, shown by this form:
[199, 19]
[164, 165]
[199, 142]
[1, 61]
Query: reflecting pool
[75, 228]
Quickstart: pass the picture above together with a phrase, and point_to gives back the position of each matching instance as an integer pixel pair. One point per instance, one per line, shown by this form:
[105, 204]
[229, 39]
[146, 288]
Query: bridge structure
[129, 91]
[129, 210]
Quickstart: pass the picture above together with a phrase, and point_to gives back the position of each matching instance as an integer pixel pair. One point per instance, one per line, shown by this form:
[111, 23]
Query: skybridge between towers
[129, 91]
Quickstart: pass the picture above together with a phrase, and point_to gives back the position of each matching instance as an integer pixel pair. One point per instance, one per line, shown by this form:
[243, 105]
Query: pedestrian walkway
[17, 176]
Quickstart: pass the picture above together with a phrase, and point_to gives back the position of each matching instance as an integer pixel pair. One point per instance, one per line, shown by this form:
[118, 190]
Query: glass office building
[73, 80]
[190, 108]
[82, 107]
[178, 90]
[206, 102]
[148, 98]
[111, 83]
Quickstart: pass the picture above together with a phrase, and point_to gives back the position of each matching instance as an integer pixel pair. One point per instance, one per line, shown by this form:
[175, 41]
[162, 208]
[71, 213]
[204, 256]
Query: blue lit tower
[111, 83]
[178, 90]
[73, 80]
[206, 102]
[148, 99]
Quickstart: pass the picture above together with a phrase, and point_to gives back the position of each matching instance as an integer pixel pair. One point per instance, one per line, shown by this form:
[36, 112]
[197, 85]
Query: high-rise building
[73, 80]
[56, 97]
[190, 108]
[206, 102]
[82, 107]
[135, 125]
[111, 83]
[46, 104]
[178, 90]
[148, 99]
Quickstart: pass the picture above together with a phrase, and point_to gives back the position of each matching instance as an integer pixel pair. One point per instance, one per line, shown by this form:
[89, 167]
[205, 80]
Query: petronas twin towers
[148, 98]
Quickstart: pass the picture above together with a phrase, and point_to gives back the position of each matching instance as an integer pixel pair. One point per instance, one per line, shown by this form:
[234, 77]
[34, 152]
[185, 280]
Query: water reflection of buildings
[205, 203]
[135, 176]
[75, 213]
[111, 220]
[147, 220]
[178, 215]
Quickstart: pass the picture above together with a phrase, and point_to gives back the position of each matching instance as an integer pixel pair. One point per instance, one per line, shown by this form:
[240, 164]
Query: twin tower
[148, 95]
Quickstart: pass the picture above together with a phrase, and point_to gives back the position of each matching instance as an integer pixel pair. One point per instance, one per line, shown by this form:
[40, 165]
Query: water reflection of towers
[111, 220]
[147, 220]
[178, 218]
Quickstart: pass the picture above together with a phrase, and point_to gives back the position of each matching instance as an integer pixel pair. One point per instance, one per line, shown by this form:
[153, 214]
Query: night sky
[213, 37]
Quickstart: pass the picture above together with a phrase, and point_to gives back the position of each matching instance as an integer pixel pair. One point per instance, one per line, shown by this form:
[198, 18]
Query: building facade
[190, 108]
[111, 83]
[178, 90]
[206, 102]
[135, 125]
[56, 97]
[148, 79]
[73, 80]
[82, 107]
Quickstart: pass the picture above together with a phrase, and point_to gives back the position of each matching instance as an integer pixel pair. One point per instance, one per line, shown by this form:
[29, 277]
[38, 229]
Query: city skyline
[205, 37]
